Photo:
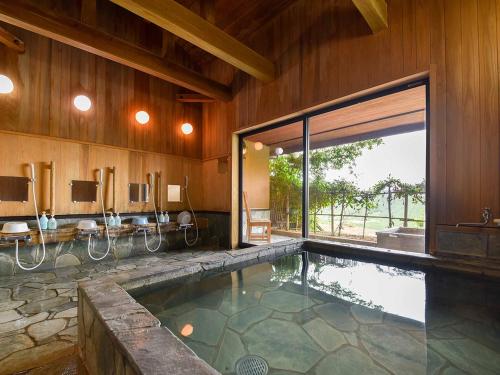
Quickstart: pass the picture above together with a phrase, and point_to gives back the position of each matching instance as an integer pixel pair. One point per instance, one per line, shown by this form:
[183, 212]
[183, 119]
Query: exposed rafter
[374, 12]
[81, 36]
[171, 16]
[11, 41]
[193, 98]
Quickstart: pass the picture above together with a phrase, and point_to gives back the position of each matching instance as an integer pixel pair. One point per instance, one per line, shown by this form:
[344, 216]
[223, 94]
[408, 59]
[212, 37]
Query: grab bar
[485, 214]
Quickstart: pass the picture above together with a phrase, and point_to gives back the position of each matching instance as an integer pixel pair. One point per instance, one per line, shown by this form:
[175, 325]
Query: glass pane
[272, 185]
[367, 170]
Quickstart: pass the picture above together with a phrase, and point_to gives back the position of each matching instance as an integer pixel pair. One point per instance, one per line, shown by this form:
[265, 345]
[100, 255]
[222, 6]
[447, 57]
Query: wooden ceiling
[146, 34]
[402, 111]
[240, 19]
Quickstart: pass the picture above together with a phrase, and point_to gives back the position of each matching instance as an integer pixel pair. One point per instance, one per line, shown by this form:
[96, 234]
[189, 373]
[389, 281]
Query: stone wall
[475, 242]
[70, 252]
[116, 335]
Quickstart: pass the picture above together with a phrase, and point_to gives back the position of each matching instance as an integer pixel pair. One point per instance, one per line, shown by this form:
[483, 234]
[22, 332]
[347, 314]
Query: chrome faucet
[486, 214]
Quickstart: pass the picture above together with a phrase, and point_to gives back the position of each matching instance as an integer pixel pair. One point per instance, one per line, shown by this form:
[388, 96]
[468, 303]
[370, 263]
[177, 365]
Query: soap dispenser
[52, 224]
[167, 218]
[118, 220]
[111, 220]
[161, 218]
[43, 221]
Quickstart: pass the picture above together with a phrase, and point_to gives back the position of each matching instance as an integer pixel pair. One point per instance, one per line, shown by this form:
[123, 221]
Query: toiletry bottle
[161, 218]
[52, 224]
[167, 218]
[118, 220]
[43, 221]
[111, 220]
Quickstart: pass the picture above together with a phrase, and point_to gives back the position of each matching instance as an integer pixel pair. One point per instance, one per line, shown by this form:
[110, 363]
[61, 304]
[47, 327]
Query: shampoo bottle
[118, 220]
[167, 218]
[43, 221]
[161, 218]
[111, 220]
[52, 224]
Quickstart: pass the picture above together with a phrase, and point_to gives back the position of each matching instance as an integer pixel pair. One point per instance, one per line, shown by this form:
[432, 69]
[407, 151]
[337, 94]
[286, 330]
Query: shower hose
[191, 243]
[91, 244]
[33, 182]
[157, 223]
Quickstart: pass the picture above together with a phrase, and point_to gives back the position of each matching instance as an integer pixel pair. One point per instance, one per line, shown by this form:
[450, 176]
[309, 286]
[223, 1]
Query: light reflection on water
[325, 315]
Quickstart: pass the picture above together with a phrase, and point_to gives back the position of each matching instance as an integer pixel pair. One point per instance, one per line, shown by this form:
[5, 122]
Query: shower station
[18, 233]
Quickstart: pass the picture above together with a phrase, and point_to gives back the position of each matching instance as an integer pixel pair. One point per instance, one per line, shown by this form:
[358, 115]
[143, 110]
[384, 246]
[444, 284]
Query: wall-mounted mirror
[138, 193]
[83, 191]
[14, 189]
[174, 193]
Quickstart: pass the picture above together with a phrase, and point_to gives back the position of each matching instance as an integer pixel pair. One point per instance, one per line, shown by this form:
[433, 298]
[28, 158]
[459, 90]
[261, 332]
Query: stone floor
[38, 312]
[330, 320]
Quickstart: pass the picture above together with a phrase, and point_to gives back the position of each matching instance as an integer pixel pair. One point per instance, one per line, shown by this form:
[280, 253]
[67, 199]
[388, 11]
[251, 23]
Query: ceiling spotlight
[82, 103]
[258, 146]
[6, 85]
[142, 117]
[187, 128]
[278, 151]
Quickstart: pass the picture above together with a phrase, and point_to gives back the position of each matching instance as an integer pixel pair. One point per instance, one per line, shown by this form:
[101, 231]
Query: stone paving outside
[38, 310]
[301, 330]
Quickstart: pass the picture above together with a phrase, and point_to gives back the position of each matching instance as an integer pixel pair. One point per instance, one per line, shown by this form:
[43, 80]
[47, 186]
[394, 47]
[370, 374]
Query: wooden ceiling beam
[11, 41]
[79, 35]
[172, 16]
[374, 13]
[193, 98]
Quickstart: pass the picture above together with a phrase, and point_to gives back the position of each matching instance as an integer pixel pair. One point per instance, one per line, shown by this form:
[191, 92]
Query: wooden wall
[48, 76]
[80, 161]
[324, 51]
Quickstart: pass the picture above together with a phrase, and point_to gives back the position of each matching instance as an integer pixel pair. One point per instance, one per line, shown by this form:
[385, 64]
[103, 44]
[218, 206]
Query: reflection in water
[314, 314]
[187, 330]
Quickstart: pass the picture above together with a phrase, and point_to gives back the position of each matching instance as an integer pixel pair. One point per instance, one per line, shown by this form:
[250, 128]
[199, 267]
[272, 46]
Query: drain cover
[251, 365]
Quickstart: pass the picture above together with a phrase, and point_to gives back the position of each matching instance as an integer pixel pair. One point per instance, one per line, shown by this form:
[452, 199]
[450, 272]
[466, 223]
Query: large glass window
[366, 180]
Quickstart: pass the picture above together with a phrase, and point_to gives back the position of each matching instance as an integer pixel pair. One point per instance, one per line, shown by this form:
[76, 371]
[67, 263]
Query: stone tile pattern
[119, 336]
[74, 252]
[38, 310]
[315, 333]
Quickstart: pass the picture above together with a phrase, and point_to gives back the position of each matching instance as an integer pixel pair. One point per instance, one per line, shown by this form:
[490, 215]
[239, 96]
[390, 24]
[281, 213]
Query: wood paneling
[325, 51]
[49, 74]
[79, 161]
[216, 177]
[79, 35]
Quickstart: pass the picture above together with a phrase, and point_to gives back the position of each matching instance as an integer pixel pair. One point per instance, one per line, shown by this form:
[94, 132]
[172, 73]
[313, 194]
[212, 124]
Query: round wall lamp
[82, 103]
[187, 128]
[142, 117]
[278, 151]
[6, 85]
[258, 146]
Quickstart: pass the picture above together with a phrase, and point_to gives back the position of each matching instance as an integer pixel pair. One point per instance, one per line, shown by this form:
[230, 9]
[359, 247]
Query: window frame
[304, 118]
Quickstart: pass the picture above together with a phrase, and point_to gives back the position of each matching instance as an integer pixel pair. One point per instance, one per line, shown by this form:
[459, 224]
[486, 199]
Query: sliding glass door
[272, 184]
[366, 179]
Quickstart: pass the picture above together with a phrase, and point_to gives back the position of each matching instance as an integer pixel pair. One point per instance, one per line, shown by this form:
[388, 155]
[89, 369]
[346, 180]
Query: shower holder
[185, 226]
[142, 229]
[12, 238]
[83, 234]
